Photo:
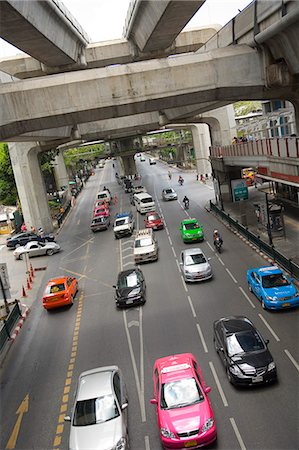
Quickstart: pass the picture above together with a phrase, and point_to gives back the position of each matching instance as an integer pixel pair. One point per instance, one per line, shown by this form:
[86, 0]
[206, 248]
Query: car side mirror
[181, 263]
[67, 418]
[208, 390]
[124, 406]
[267, 341]
[154, 401]
[221, 349]
[209, 259]
[114, 286]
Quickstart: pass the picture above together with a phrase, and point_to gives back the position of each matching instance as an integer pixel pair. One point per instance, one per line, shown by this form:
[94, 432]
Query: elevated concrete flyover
[148, 86]
[44, 29]
[154, 25]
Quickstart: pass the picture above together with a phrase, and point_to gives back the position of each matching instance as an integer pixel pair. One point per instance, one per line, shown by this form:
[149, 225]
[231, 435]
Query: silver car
[99, 417]
[35, 248]
[194, 265]
[169, 194]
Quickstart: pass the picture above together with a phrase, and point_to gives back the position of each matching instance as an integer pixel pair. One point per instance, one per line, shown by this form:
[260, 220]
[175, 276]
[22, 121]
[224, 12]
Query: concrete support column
[128, 161]
[222, 125]
[201, 143]
[30, 184]
[61, 175]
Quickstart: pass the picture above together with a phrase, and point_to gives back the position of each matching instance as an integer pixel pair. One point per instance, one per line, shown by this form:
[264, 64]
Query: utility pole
[268, 220]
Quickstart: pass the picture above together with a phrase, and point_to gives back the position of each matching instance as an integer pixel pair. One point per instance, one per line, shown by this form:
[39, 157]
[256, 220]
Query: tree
[243, 108]
[8, 188]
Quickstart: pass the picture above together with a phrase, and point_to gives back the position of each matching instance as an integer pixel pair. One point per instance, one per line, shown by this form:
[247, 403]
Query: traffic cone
[23, 292]
[31, 270]
[28, 284]
[30, 277]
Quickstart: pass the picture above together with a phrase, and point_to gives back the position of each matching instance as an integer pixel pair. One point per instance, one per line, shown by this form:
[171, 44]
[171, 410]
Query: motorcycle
[186, 205]
[181, 181]
[218, 244]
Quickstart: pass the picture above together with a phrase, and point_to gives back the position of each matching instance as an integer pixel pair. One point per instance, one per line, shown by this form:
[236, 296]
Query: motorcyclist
[217, 236]
[181, 180]
[106, 189]
[186, 202]
[169, 175]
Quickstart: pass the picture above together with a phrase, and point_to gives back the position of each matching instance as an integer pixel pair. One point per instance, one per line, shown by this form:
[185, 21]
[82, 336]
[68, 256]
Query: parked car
[124, 224]
[243, 352]
[272, 287]
[191, 230]
[154, 221]
[35, 248]
[59, 292]
[145, 246]
[22, 239]
[130, 289]
[100, 223]
[152, 161]
[169, 194]
[184, 413]
[99, 417]
[195, 265]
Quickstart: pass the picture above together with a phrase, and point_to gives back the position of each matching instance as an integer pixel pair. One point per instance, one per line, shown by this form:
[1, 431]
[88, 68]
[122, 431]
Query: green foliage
[8, 189]
[74, 156]
[46, 160]
[243, 108]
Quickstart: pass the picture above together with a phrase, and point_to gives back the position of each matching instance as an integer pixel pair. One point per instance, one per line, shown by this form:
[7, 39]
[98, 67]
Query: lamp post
[268, 220]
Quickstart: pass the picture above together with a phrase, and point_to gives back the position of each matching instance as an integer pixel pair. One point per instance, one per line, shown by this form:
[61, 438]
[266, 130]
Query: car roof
[268, 270]
[57, 280]
[175, 367]
[125, 273]
[236, 324]
[189, 220]
[193, 251]
[95, 383]
[151, 213]
[123, 214]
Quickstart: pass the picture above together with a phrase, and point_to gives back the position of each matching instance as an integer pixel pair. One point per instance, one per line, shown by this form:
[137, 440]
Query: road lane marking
[184, 284]
[22, 409]
[127, 256]
[178, 264]
[202, 338]
[146, 442]
[167, 230]
[78, 222]
[269, 328]
[141, 355]
[246, 296]
[169, 238]
[237, 433]
[128, 264]
[210, 246]
[133, 323]
[137, 381]
[220, 260]
[173, 251]
[191, 306]
[231, 275]
[292, 359]
[218, 384]
[78, 248]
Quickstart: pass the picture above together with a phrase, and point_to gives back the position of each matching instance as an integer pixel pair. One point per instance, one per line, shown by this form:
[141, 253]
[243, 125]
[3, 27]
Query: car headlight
[208, 424]
[271, 366]
[134, 292]
[187, 272]
[121, 445]
[235, 370]
[166, 433]
[297, 294]
[271, 298]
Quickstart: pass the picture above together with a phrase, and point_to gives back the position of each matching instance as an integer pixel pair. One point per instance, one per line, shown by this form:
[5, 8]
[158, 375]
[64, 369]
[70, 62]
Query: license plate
[286, 304]
[129, 302]
[257, 379]
[190, 444]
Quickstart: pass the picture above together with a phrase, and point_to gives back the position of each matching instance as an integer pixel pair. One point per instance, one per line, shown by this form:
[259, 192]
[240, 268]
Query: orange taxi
[59, 292]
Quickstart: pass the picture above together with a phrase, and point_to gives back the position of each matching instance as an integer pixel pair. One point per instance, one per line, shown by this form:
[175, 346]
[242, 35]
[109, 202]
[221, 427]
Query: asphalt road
[53, 348]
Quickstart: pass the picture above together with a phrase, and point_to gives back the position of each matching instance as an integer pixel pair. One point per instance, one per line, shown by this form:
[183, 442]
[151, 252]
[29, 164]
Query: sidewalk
[245, 213]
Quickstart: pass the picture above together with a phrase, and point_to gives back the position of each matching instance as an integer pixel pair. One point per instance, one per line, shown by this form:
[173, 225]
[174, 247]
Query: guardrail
[8, 323]
[270, 250]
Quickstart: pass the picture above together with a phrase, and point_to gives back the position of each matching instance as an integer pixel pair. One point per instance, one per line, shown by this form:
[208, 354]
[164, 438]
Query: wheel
[215, 345]
[50, 252]
[229, 377]
[250, 287]
[20, 256]
[17, 245]
[263, 303]
[71, 301]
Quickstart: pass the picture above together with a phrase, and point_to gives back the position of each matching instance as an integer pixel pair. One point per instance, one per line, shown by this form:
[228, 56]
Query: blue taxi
[272, 288]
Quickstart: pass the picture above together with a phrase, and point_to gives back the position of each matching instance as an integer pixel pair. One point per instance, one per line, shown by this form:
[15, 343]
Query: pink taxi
[185, 416]
[101, 210]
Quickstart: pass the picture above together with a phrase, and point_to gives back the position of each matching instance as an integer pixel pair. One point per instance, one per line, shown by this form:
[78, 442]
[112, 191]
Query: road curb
[20, 323]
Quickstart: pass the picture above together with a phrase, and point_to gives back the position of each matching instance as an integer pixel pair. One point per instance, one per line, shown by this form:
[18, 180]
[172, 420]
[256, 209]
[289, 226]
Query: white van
[144, 202]
[104, 196]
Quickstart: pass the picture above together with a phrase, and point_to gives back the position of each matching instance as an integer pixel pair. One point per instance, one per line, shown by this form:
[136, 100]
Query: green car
[191, 230]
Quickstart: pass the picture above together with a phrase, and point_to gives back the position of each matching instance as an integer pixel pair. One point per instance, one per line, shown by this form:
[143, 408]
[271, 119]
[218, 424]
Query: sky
[104, 19]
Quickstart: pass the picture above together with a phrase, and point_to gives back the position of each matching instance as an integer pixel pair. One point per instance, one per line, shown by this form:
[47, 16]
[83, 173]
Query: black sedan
[22, 239]
[130, 289]
[243, 352]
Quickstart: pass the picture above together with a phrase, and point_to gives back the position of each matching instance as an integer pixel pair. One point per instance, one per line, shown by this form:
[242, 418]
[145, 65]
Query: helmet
[215, 231]
[40, 230]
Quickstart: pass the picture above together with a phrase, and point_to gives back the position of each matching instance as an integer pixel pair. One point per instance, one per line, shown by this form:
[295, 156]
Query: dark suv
[23, 238]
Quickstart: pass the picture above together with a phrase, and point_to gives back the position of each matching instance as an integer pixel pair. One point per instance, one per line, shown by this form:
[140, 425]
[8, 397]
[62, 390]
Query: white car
[195, 265]
[145, 246]
[35, 248]
[99, 416]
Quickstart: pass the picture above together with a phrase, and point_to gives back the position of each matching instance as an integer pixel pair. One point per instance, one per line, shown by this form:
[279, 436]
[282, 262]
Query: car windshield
[95, 410]
[55, 288]
[179, 393]
[147, 200]
[102, 195]
[199, 258]
[275, 280]
[153, 217]
[98, 220]
[130, 280]
[168, 191]
[191, 226]
[120, 222]
[244, 342]
[143, 242]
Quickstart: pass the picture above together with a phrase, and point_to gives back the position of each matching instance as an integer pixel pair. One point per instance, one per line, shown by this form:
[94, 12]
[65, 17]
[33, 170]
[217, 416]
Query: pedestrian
[23, 227]
[235, 140]
[33, 229]
[197, 176]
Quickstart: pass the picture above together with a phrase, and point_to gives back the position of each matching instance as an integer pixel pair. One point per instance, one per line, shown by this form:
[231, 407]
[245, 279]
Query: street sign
[239, 190]
[4, 276]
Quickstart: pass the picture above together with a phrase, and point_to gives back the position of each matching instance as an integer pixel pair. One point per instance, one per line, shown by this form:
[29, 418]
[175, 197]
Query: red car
[101, 211]
[154, 221]
[184, 413]
[60, 292]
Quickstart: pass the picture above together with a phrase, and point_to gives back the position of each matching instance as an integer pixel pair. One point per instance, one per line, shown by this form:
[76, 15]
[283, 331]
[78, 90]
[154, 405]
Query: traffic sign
[4, 276]
[239, 190]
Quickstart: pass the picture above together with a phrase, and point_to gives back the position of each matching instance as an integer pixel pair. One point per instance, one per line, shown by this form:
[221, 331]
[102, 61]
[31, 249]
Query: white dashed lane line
[246, 296]
[173, 251]
[146, 443]
[170, 241]
[191, 306]
[220, 260]
[210, 246]
[231, 275]
[237, 433]
[269, 328]
[202, 338]
[292, 359]
[184, 284]
[219, 387]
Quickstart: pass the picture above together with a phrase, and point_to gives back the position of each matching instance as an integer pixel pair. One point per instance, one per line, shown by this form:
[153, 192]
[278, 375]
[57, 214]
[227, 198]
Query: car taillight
[44, 300]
